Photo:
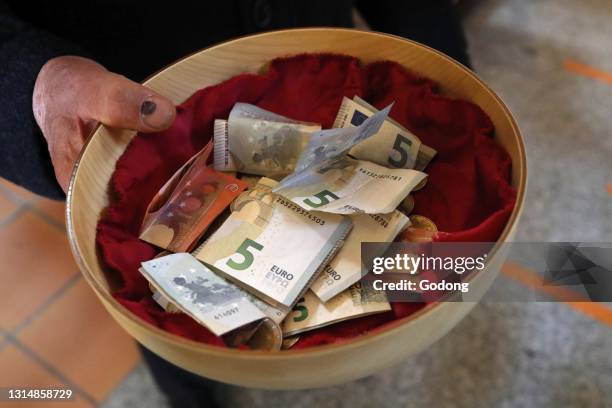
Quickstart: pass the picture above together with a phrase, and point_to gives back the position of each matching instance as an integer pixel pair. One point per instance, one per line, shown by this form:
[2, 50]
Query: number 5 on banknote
[248, 256]
[261, 252]
[323, 200]
[302, 309]
[397, 146]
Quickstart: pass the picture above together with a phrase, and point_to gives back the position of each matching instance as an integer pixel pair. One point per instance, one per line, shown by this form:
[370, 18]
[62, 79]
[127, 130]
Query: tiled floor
[56, 334]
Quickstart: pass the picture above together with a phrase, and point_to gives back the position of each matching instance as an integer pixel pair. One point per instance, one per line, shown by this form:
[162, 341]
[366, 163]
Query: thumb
[118, 102]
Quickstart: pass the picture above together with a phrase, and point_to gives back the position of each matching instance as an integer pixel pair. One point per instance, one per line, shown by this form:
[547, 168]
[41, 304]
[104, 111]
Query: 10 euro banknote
[188, 203]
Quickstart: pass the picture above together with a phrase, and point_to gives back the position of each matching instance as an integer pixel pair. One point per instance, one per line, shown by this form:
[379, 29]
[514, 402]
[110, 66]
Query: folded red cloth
[468, 194]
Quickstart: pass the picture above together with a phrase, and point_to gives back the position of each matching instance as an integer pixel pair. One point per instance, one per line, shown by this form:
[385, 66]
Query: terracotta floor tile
[20, 192]
[55, 210]
[7, 206]
[36, 262]
[19, 370]
[79, 337]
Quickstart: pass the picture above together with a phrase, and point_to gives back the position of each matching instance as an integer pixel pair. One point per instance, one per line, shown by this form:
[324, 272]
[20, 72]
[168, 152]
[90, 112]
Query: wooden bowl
[317, 366]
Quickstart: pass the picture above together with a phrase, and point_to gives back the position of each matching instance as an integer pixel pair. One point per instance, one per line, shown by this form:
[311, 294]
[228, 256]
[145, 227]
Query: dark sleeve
[24, 157]
[431, 22]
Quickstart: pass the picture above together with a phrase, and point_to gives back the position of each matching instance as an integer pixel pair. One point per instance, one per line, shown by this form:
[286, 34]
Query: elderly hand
[72, 94]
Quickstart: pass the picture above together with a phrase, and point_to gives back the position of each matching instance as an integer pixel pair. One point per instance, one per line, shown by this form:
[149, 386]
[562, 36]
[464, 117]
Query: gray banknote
[257, 141]
[277, 315]
[331, 143]
[344, 185]
[392, 146]
[199, 292]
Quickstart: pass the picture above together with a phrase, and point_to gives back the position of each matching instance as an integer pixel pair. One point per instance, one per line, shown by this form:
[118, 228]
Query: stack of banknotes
[265, 244]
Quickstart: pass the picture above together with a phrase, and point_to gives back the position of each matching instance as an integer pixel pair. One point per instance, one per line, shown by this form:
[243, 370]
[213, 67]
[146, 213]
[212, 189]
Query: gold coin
[268, 336]
[421, 184]
[289, 342]
[417, 235]
[172, 308]
[419, 221]
[408, 204]
[264, 68]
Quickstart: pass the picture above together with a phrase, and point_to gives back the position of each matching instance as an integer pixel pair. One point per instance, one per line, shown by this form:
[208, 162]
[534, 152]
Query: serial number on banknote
[299, 210]
[380, 220]
[380, 176]
[226, 313]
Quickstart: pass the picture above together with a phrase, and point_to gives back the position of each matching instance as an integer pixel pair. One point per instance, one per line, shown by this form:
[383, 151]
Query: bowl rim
[385, 330]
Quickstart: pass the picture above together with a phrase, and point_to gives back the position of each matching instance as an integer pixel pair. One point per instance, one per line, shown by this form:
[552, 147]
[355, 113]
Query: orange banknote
[188, 203]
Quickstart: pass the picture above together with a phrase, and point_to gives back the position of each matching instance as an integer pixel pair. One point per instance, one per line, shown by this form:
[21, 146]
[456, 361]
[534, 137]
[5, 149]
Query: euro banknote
[261, 190]
[199, 292]
[310, 313]
[426, 154]
[346, 267]
[165, 304]
[257, 141]
[277, 315]
[222, 158]
[346, 186]
[187, 204]
[274, 248]
[329, 144]
[161, 300]
[249, 179]
[244, 334]
[392, 146]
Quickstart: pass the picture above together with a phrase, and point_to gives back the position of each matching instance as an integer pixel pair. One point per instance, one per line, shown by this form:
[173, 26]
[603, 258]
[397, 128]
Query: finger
[65, 150]
[118, 102]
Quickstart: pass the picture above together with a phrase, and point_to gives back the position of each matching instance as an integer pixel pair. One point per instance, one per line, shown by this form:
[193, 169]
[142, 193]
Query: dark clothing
[135, 39]
[182, 388]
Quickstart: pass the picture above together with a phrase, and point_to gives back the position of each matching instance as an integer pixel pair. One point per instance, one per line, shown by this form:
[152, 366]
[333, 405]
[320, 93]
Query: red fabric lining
[468, 194]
